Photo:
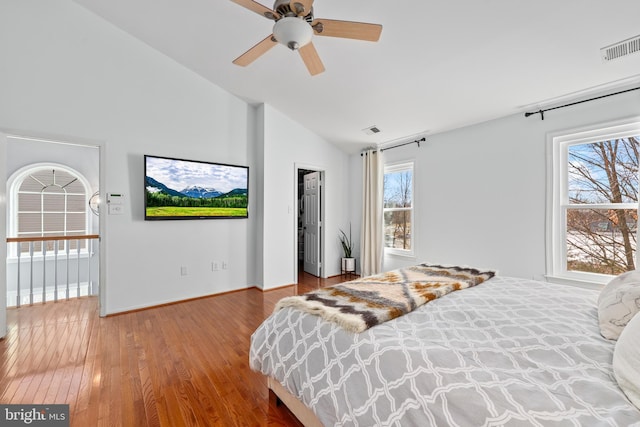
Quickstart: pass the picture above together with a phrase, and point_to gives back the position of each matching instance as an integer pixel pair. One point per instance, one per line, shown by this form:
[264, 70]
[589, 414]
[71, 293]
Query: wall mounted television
[194, 189]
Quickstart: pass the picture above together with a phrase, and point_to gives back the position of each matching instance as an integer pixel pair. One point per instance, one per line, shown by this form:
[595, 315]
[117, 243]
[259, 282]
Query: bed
[507, 352]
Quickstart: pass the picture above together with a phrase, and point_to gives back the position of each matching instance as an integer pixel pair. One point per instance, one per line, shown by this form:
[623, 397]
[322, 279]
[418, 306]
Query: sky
[585, 188]
[180, 174]
[393, 182]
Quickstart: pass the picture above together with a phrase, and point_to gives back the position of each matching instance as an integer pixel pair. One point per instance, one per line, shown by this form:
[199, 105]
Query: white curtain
[371, 234]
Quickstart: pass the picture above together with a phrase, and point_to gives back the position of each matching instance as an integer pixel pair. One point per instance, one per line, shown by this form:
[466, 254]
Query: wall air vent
[618, 50]
[371, 130]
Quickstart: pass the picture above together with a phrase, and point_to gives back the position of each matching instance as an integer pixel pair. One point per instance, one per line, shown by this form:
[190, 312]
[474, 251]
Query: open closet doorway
[310, 220]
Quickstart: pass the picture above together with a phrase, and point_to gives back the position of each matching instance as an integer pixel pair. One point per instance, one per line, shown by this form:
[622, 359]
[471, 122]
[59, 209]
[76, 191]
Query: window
[48, 200]
[595, 203]
[398, 208]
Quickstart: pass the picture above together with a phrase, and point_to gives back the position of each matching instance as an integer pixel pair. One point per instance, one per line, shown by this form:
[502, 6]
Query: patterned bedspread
[362, 303]
[508, 352]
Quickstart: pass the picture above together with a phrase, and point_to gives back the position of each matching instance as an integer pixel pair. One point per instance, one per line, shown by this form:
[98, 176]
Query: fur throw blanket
[362, 303]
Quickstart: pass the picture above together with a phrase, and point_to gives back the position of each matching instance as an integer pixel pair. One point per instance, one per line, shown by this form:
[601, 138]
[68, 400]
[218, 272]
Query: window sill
[580, 283]
[405, 255]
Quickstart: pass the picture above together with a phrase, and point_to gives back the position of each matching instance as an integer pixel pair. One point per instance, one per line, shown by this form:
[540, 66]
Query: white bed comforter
[507, 352]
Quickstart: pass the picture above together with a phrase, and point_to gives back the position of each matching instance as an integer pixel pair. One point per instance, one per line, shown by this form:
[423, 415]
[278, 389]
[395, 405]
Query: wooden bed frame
[297, 408]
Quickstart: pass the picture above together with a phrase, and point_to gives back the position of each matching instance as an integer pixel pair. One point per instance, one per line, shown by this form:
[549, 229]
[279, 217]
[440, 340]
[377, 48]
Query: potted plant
[348, 262]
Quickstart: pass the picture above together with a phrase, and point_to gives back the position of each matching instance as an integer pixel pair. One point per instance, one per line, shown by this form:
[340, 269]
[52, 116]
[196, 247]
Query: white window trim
[557, 157]
[13, 185]
[396, 167]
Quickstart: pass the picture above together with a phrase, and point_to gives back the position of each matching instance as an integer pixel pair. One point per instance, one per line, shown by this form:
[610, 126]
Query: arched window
[48, 200]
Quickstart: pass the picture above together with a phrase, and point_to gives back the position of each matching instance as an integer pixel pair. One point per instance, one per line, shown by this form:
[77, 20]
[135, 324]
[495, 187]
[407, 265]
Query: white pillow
[626, 361]
[618, 302]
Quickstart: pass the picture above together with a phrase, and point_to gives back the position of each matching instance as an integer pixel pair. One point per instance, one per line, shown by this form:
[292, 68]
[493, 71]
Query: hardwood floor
[184, 364]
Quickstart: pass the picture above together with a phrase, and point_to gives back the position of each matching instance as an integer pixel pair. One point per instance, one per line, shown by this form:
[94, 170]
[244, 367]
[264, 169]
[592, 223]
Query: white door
[311, 223]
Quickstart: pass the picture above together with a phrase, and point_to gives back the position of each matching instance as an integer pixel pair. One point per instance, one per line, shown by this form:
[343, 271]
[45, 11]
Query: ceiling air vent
[623, 48]
[371, 130]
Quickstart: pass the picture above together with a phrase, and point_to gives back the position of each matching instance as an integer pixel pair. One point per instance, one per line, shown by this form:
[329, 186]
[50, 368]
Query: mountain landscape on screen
[195, 192]
[201, 192]
[207, 190]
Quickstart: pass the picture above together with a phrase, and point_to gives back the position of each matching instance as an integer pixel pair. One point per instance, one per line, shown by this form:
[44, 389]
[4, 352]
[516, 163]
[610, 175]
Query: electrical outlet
[224, 265]
[183, 270]
[214, 266]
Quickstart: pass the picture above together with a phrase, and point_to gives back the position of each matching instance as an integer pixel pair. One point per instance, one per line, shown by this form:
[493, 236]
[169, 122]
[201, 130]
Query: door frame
[102, 225]
[3, 234]
[296, 209]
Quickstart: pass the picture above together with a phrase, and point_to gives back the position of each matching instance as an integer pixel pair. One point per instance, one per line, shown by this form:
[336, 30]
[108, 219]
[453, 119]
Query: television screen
[193, 189]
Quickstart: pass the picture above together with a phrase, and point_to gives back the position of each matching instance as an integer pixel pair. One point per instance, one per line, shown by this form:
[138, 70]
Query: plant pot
[348, 265]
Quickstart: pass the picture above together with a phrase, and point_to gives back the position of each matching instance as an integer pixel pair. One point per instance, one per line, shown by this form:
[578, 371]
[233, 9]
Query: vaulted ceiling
[438, 65]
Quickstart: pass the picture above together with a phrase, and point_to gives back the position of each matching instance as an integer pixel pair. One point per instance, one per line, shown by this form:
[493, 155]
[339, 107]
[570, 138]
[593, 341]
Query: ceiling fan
[295, 26]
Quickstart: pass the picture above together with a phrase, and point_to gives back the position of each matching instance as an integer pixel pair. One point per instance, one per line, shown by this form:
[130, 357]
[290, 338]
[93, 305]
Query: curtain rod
[417, 141]
[541, 112]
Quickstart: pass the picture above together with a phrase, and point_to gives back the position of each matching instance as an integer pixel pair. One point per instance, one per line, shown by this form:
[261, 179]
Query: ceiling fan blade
[301, 7]
[347, 29]
[311, 59]
[258, 8]
[255, 52]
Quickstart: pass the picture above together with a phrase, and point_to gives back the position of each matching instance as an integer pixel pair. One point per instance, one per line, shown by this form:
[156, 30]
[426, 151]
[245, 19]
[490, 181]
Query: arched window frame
[15, 181]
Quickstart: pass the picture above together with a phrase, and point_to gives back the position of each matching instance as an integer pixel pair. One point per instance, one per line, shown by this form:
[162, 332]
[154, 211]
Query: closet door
[311, 223]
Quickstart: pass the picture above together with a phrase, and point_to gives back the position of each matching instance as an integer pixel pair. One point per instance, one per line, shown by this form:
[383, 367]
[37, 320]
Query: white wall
[21, 153]
[69, 74]
[480, 190]
[287, 144]
[76, 76]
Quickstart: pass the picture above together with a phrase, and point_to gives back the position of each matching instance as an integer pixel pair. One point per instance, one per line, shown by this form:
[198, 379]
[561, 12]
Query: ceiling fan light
[292, 32]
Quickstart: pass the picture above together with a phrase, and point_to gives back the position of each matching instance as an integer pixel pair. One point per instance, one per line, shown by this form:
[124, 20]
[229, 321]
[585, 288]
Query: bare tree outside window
[398, 207]
[601, 215]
